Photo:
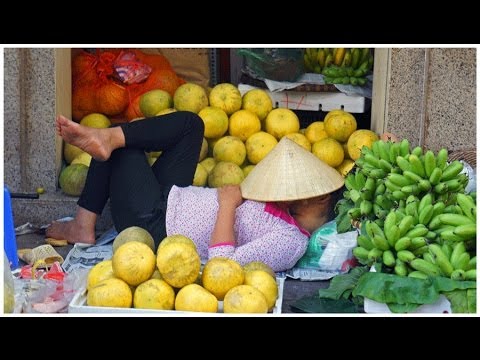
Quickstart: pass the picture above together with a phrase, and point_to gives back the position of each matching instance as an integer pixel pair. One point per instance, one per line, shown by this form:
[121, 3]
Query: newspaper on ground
[84, 256]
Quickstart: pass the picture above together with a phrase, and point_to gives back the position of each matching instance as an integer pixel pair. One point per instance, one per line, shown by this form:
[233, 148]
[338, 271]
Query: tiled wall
[432, 97]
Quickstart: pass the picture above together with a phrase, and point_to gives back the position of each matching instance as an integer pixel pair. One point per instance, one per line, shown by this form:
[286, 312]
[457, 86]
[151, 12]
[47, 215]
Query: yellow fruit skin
[345, 167]
[329, 151]
[231, 149]
[133, 233]
[178, 263]
[340, 126]
[316, 132]
[245, 299]
[225, 173]
[220, 275]
[177, 239]
[96, 120]
[301, 140]
[259, 145]
[190, 97]
[358, 139]
[281, 121]
[215, 121]
[154, 294]
[110, 293]
[264, 282]
[227, 97]
[258, 265]
[243, 124]
[258, 101]
[133, 262]
[201, 176]
[101, 271]
[193, 297]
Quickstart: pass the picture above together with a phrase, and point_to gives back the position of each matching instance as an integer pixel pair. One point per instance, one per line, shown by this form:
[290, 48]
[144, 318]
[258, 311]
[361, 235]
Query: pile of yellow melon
[171, 279]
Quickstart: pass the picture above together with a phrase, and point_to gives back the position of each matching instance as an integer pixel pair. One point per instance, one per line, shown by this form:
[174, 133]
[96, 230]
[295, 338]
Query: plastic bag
[328, 254]
[273, 63]
[129, 69]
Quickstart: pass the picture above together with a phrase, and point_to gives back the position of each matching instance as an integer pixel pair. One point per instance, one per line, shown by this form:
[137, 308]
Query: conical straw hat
[289, 172]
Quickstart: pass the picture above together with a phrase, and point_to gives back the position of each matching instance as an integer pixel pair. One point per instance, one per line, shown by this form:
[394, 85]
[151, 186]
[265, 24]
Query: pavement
[293, 289]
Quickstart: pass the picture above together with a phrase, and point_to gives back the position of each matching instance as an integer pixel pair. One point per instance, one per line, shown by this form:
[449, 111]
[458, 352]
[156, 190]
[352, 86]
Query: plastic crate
[79, 305]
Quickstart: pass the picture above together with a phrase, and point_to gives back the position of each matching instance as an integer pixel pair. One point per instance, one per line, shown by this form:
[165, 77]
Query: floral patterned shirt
[263, 231]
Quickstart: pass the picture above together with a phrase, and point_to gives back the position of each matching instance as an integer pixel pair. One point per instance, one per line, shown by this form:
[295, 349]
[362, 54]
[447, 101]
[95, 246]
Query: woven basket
[469, 156]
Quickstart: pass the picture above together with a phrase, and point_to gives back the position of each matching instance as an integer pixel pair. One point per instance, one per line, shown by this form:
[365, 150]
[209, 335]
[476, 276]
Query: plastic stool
[9, 239]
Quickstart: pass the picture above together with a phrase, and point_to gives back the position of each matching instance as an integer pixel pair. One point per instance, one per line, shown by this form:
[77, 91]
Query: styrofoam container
[79, 305]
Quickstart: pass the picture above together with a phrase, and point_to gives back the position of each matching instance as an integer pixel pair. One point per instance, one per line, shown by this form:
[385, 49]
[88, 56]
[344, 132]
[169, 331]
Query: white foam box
[313, 101]
[79, 305]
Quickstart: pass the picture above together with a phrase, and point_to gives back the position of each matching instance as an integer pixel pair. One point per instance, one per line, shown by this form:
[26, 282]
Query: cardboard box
[79, 305]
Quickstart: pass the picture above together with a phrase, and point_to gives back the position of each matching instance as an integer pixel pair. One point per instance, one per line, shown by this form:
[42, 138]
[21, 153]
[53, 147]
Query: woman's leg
[126, 177]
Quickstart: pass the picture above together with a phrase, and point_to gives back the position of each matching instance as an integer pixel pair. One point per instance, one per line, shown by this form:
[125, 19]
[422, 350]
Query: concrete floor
[293, 289]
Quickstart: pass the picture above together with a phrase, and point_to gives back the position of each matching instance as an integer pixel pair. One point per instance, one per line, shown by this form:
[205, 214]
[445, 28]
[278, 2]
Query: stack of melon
[172, 280]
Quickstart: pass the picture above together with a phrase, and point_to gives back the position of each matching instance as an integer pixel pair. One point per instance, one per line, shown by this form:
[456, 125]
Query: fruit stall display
[172, 279]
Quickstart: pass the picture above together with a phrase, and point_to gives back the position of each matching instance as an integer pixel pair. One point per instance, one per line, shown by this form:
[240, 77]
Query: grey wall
[432, 97]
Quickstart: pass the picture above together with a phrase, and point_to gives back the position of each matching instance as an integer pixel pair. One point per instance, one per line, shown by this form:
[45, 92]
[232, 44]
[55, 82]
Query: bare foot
[72, 231]
[96, 142]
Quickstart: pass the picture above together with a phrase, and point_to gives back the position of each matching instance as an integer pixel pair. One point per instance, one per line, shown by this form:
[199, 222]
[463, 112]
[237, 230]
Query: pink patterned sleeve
[279, 250]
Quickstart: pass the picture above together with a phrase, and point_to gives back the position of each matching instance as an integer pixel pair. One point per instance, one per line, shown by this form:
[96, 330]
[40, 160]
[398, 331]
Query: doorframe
[380, 90]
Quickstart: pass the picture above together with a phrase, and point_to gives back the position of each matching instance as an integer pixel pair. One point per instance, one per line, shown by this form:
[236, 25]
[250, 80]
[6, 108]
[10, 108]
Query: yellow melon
[165, 112]
[154, 101]
[231, 149]
[178, 263]
[281, 121]
[70, 152]
[194, 297]
[225, 173]
[245, 299]
[220, 275]
[154, 294]
[133, 262]
[345, 167]
[177, 239]
[96, 120]
[329, 151]
[82, 158]
[190, 97]
[101, 271]
[133, 233]
[225, 96]
[301, 140]
[203, 151]
[340, 126]
[316, 131]
[111, 292]
[259, 145]
[257, 101]
[215, 121]
[359, 139]
[263, 281]
[258, 265]
[246, 169]
[200, 177]
[208, 163]
[243, 124]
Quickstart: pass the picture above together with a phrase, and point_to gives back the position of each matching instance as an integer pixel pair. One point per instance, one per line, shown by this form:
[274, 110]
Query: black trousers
[138, 192]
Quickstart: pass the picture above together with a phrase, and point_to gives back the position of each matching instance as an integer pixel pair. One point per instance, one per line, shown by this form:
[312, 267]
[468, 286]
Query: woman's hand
[230, 196]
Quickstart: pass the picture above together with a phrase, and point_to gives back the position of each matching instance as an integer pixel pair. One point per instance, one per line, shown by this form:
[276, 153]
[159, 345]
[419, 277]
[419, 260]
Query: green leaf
[342, 219]
[462, 301]
[315, 304]
[402, 308]
[390, 288]
[341, 286]
[443, 284]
